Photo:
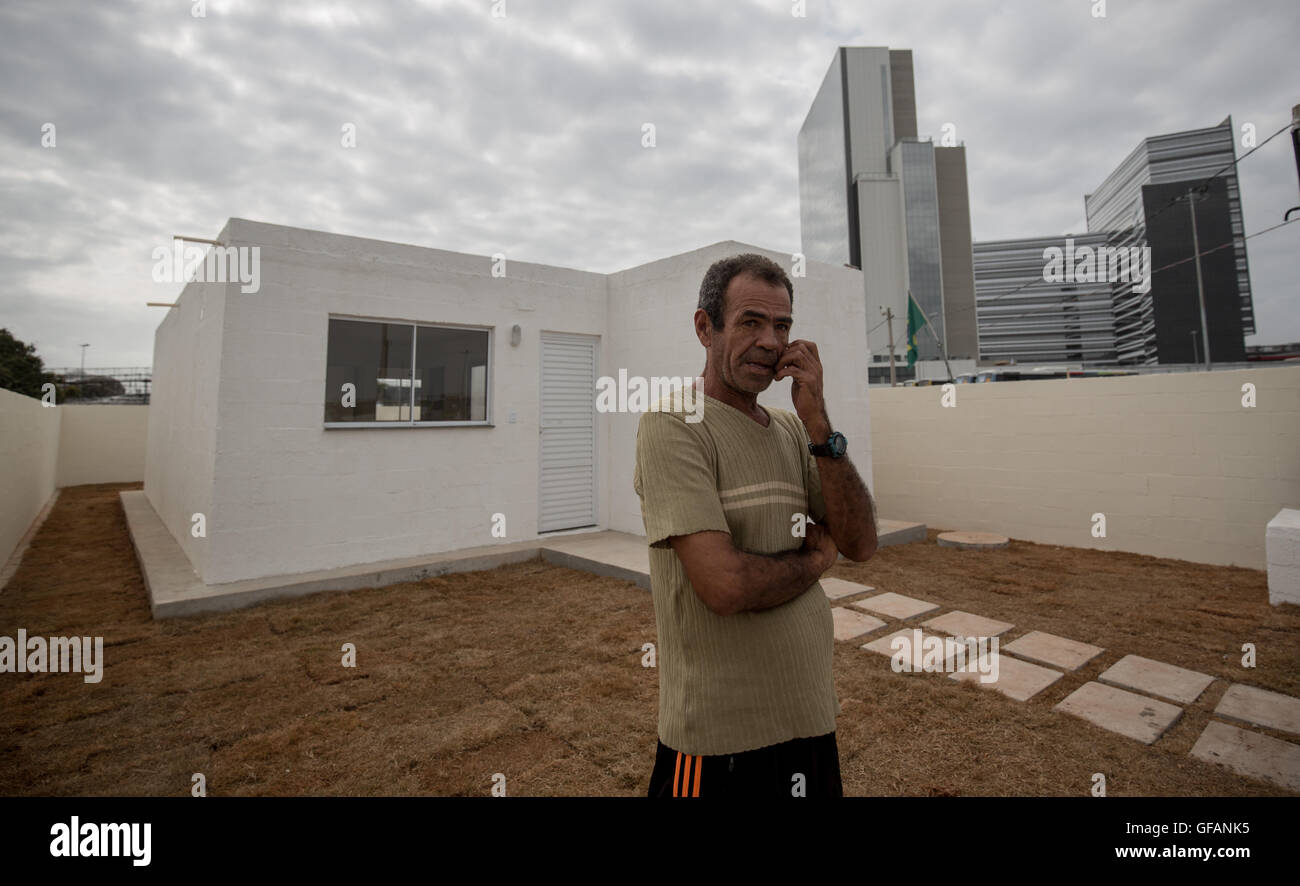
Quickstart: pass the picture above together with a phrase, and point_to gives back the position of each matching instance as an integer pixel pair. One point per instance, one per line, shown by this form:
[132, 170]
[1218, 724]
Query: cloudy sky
[522, 133]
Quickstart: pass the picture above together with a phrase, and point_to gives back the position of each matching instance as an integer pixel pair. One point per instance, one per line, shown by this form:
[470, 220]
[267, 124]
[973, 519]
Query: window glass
[451, 374]
[376, 359]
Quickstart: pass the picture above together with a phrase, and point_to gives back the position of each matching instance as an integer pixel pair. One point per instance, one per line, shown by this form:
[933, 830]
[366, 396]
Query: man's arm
[850, 513]
[730, 581]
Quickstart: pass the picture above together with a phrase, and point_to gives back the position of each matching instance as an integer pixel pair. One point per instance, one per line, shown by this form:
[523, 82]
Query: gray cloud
[523, 134]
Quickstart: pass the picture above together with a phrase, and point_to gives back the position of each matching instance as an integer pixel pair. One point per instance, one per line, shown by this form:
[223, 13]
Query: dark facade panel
[1175, 299]
[904, 93]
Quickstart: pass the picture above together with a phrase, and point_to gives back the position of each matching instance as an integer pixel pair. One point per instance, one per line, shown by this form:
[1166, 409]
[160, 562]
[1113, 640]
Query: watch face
[838, 444]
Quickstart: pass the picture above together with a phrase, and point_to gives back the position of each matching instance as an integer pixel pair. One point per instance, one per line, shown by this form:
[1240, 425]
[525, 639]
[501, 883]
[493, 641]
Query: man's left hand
[801, 363]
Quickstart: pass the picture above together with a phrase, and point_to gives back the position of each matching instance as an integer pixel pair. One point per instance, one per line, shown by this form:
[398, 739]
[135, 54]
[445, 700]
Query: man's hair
[718, 277]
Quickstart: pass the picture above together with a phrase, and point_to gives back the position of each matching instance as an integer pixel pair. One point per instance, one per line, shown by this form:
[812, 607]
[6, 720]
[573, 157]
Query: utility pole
[1200, 286]
[889, 321]
[1196, 354]
[83, 360]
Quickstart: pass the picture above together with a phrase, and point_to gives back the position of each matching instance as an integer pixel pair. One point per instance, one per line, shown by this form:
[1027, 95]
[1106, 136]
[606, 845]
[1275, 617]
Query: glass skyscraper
[874, 196]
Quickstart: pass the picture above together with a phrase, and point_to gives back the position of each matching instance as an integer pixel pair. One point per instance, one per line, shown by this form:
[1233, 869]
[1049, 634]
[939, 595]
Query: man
[747, 700]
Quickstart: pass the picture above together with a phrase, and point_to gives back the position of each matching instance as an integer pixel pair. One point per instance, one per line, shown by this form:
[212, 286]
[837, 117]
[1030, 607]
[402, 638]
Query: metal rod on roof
[196, 239]
[160, 304]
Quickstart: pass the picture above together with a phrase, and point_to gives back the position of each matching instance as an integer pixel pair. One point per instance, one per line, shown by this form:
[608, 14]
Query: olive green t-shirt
[733, 683]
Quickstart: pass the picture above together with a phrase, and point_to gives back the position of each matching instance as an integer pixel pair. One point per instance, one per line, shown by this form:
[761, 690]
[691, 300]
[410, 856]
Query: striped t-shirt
[733, 683]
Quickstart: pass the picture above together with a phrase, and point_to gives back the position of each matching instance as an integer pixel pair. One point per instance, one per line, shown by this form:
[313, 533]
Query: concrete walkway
[175, 589]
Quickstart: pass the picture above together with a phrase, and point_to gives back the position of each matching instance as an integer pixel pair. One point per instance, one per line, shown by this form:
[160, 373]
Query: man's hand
[801, 362]
[818, 542]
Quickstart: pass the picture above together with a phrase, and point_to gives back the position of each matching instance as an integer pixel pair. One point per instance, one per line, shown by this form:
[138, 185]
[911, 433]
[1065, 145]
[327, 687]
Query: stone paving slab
[850, 624]
[896, 606]
[899, 532]
[1157, 678]
[1127, 713]
[964, 624]
[1247, 704]
[838, 588]
[1049, 649]
[884, 646]
[1251, 754]
[1019, 680]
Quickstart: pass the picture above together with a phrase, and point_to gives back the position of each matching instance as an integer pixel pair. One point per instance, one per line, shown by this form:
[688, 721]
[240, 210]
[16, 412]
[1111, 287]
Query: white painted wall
[102, 444]
[46, 447]
[181, 445]
[290, 496]
[1176, 463]
[652, 333]
[29, 454]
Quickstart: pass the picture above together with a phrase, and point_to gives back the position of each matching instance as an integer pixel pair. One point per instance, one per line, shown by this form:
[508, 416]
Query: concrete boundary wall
[43, 448]
[102, 444]
[29, 458]
[1175, 462]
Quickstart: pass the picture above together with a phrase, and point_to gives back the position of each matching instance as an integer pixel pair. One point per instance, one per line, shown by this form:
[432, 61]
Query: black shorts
[808, 767]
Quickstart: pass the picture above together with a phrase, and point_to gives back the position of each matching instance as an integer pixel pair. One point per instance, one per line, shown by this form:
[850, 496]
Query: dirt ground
[534, 672]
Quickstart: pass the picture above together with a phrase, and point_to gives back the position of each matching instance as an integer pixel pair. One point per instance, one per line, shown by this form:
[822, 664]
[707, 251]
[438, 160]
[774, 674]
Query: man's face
[756, 330]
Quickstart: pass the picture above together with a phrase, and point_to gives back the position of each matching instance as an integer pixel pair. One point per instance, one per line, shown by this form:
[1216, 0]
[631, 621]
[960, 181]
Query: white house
[472, 389]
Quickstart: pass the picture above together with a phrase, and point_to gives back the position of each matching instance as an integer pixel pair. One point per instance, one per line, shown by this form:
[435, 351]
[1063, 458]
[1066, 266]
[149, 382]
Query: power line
[1273, 228]
[877, 326]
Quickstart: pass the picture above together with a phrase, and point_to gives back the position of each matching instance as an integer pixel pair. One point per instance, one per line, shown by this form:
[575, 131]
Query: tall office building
[1027, 319]
[875, 196]
[1142, 204]
[1139, 197]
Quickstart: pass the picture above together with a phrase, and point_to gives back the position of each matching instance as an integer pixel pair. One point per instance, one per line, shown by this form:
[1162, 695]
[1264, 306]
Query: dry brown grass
[534, 671]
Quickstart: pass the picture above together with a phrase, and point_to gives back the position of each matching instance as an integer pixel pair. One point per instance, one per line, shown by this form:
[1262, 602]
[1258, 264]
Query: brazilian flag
[915, 320]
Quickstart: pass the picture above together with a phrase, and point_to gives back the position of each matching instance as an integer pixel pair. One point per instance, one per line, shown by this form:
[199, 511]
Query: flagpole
[942, 350]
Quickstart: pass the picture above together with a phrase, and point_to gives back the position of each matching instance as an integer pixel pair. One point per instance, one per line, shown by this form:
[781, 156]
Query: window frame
[415, 327]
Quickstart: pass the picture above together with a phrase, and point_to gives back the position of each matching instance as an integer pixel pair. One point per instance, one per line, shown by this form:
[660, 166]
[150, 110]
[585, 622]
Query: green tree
[20, 369]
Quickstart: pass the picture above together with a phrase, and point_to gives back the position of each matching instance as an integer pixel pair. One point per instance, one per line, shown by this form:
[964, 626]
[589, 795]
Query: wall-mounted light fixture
[515, 335]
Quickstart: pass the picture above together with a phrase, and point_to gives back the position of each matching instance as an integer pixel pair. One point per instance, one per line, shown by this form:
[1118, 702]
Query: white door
[567, 498]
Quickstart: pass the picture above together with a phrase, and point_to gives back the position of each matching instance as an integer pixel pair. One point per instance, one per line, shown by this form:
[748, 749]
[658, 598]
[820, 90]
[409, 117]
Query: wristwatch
[834, 446]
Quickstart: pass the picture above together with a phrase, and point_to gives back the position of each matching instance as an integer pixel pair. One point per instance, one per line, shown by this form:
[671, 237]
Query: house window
[405, 374]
